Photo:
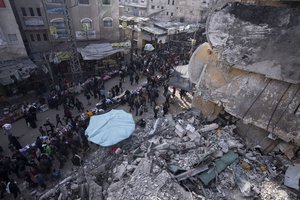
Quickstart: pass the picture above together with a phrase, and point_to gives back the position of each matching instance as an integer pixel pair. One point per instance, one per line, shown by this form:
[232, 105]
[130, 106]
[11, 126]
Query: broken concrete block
[162, 146]
[120, 171]
[118, 151]
[191, 120]
[218, 154]
[195, 136]
[130, 168]
[189, 145]
[209, 127]
[292, 177]
[190, 128]
[74, 187]
[185, 138]
[179, 130]
[95, 191]
[116, 186]
[287, 149]
[144, 167]
[224, 146]
[154, 127]
[234, 144]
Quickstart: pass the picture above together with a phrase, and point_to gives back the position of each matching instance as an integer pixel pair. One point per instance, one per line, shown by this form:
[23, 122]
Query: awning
[180, 78]
[99, 51]
[16, 70]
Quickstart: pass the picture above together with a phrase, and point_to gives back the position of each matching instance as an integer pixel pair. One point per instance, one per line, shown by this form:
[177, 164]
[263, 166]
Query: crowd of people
[66, 137]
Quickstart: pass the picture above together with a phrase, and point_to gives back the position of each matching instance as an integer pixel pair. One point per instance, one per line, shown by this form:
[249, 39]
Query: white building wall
[12, 45]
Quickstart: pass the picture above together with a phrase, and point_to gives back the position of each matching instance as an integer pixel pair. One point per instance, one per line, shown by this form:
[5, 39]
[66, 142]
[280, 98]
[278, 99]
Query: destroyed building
[250, 69]
[248, 97]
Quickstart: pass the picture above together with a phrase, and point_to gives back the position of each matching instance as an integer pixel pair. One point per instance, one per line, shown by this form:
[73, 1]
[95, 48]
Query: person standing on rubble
[165, 108]
[156, 109]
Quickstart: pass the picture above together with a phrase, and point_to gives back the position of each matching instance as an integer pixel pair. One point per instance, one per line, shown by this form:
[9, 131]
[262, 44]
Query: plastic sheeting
[149, 47]
[16, 70]
[110, 128]
[99, 51]
[180, 78]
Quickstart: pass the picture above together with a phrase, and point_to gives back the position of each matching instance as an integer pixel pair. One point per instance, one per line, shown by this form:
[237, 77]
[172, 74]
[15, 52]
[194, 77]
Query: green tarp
[220, 165]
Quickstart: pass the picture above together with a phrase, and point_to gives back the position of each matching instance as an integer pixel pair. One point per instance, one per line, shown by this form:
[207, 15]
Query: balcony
[33, 22]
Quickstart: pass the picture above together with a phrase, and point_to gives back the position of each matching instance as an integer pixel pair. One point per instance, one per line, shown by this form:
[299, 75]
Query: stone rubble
[164, 160]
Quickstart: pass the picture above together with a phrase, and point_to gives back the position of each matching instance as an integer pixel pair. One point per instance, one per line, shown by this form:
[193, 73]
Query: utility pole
[132, 22]
[74, 58]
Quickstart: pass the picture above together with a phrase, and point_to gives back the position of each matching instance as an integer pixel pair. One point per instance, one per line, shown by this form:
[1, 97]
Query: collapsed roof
[260, 39]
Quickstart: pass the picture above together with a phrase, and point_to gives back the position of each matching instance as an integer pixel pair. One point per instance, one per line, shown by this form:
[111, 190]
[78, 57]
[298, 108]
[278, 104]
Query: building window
[86, 24]
[152, 7]
[38, 37]
[106, 2]
[83, 1]
[12, 37]
[157, 6]
[167, 13]
[23, 11]
[107, 22]
[31, 11]
[54, 1]
[162, 7]
[45, 37]
[171, 14]
[173, 2]
[2, 4]
[32, 37]
[38, 11]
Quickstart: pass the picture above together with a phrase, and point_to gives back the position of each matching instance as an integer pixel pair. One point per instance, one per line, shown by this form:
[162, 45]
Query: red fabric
[2, 5]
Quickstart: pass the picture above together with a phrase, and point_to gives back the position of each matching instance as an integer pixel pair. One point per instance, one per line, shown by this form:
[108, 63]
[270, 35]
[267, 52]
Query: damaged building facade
[251, 72]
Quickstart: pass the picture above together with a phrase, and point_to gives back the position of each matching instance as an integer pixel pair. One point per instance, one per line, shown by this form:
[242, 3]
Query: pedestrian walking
[12, 188]
[137, 78]
[166, 87]
[68, 115]
[58, 120]
[14, 141]
[88, 97]
[120, 85]
[49, 126]
[42, 131]
[79, 105]
[131, 79]
[137, 106]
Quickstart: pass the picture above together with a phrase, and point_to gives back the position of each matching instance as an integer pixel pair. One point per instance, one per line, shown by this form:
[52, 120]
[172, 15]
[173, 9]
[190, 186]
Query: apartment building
[43, 25]
[11, 43]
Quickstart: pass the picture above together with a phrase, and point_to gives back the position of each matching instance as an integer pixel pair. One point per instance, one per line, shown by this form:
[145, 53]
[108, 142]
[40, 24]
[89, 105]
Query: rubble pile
[181, 157]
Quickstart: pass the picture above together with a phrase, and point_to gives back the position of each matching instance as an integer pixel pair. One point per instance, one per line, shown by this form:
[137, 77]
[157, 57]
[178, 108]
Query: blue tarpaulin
[110, 128]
